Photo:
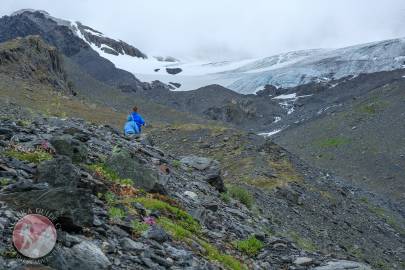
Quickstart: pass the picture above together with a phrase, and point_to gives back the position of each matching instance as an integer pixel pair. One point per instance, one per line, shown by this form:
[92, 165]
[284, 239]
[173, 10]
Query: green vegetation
[115, 213]
[107, 173]
[225, 197]
[214, 254]
[373, 107]
[250, 246]
[241, 195]
[383, 214]
[138, 227]
[110, 198]
[303, 243]
[9, 253]
[36, 156]
[333, 142]
[176, 163]
[182, 218]
[177, 231]
[23, 123]
[4, 181]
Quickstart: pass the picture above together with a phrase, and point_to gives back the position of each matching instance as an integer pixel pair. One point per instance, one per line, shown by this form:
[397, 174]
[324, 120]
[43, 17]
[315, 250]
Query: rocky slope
[31, 59]
[357, 122]
[114, 189]
[102, 189]
[63, 36]
[107, 44]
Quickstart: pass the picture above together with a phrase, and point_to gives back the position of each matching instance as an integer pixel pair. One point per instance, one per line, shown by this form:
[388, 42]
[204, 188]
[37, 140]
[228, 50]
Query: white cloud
[228, 28]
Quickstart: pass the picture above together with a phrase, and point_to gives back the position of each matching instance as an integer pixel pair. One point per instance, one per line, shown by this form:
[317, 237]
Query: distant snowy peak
[91, 36]
[106, 44]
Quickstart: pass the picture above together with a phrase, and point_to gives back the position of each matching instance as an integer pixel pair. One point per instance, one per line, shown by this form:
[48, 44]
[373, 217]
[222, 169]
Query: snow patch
[271, 133]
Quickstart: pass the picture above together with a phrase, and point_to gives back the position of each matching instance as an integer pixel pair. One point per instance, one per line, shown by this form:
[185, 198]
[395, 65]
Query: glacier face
[328, 64]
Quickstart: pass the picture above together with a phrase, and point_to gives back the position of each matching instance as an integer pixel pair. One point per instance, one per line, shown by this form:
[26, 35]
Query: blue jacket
[137, 118]
[133, 124]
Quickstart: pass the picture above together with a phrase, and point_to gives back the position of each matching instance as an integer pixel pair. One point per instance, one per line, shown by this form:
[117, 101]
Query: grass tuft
[182, 217]
[138, 227]
[250, 246]
[36, 156]
[241, 195]
[333, 142]
[107, 173]
[116, 214]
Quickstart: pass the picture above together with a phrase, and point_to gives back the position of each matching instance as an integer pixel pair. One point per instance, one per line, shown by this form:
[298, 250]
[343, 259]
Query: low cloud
[231, 29]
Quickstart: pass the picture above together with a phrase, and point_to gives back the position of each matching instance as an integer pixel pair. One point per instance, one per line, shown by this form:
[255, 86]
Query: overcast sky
[230, 28]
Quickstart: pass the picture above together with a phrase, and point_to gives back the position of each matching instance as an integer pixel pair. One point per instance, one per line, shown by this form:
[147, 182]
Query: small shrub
[176, 163]
[4, 181]
[214, 254]
[116, 214]
[36, 156]
[182, 217]
[241, 195]
[138, 227]
[110, 198]
[250, 246]
[225, 197]
[107, 173]
[177, 231]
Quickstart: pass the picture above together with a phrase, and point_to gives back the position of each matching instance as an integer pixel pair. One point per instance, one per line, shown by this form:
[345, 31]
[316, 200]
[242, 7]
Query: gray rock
[128, 166]
[343, 265]
[72, 205]
[157, 233]
[83, 256]
[199, 163]
[209, 167]
[305, 261]
[129, 244]
[58, 172]
[68, 146]
[6, 133]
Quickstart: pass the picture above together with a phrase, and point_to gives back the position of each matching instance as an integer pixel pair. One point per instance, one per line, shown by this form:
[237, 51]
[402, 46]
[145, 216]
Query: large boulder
[68, 146]
[58, 172]
[344, 265]
[71, 206]
[83, 256]
[210, 169]
[62, 195]
[129, 166]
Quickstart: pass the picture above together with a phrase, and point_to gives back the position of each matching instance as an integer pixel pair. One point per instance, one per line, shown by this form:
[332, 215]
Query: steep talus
[352, 129]
[317, 209]
[168, 213]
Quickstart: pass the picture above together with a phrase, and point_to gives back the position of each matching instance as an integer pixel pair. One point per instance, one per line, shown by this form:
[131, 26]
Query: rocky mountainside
[60, 34]
[31, 59]
[215, 102]
[107, 44]
[358, 122]
[123, 204]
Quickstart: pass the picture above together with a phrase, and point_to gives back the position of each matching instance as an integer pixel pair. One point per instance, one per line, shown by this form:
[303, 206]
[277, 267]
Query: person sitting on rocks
[134, 123]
